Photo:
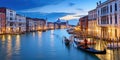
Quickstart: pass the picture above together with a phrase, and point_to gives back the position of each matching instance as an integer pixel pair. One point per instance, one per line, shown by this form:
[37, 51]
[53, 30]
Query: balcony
[107, 25]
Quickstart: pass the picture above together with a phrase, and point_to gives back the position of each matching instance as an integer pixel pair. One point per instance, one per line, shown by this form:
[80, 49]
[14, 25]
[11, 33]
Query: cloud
[79, 15]
[80, 9]
[50, 16]
[27, 4]
[71, 17]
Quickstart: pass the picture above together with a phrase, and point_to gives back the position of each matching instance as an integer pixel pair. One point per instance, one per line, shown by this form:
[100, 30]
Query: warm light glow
[3, 39]
[40, 38]
[39, 34]
[8, 29]
[17, 45]
[33, 34]
[9, 46]
[89, 30]
[97, 30]
[18, 29]
[52, 38]
[33, 28]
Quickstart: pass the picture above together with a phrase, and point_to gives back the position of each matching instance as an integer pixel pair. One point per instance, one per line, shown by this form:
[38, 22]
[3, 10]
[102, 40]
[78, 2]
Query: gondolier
[85, 42]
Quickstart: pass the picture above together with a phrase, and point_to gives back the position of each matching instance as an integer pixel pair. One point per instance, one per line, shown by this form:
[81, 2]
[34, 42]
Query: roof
[106, 2]
[6, 8]
[63, 23]
[92, 10]
[37, 19]
[19, 15]
[84, 17]
[91, 19]
[27, 18]
[49, 22]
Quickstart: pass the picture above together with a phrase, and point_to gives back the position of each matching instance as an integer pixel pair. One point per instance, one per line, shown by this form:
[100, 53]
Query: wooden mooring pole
[117, 43]
[113, 44]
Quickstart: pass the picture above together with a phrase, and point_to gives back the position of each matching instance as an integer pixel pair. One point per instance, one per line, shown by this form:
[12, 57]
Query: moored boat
[81, 42]
[89, 49]
[67, 41]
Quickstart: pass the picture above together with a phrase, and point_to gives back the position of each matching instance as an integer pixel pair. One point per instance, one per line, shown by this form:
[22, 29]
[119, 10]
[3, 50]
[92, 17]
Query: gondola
[67, 42]
[81, 42]
[88, 49]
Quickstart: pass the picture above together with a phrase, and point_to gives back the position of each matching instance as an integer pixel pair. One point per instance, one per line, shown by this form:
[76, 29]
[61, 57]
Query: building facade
[108, 18]
[39, 24]
[13, 22]
[20, 23]
[29, 24]
[61, 24]
[84, 23]
[10, 21]
[2, 23]
[50, 25]
[92, 23]
[56, 25]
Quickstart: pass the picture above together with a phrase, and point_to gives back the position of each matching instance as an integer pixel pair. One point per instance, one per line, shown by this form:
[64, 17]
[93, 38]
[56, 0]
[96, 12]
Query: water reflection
[39, 34]
[3, 40]
[68, 47]
[17, 45]
[33, 34]
[52, 38]
[9, 47]
[40, 38]
[110, 55]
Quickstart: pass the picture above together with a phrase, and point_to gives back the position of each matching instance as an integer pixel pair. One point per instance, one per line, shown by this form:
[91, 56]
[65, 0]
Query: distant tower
[67, 24]
[58, 21]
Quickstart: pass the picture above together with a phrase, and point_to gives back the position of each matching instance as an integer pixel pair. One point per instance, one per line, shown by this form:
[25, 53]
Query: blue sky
[51, 9]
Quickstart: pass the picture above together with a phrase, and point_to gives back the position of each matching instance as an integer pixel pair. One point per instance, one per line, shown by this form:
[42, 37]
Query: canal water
[40, 46]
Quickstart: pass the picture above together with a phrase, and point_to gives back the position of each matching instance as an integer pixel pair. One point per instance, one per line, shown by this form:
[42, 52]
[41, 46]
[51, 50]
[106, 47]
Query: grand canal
[43, 46]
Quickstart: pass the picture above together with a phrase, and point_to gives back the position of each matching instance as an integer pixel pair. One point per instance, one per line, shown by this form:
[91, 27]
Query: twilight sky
[52, 9]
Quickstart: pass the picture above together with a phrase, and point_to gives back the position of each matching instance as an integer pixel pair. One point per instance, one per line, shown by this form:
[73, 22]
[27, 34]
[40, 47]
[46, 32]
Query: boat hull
[90, 50]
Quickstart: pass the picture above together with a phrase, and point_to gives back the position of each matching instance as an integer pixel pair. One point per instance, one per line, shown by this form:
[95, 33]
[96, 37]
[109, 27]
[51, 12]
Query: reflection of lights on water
[3, 39]
[40, 38]
[109, 55]
[52, 31]
[33, 34]
[17, 45]
[9, 46]
[39, 34]
[52, 38]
